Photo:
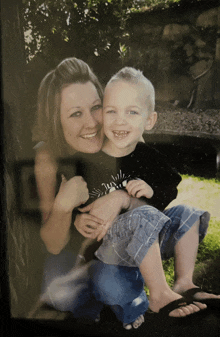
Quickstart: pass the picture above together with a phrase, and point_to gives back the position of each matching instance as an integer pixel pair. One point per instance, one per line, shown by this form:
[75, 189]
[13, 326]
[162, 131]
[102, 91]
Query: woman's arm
[56, 211]
[109, 207]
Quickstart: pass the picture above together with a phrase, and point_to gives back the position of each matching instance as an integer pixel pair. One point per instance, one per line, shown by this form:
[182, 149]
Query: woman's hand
[108, 208]
[138, 188]
[72, 193]
[88, 225]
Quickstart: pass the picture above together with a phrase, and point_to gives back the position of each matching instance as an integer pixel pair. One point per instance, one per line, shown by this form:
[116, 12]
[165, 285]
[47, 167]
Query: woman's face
[81, 117]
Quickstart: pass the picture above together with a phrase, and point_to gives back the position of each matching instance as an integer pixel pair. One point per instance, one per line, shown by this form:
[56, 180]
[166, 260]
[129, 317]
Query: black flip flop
[177, 304]
[210, 302]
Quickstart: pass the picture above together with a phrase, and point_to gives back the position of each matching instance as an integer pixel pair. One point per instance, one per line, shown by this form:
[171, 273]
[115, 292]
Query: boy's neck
[110, 149]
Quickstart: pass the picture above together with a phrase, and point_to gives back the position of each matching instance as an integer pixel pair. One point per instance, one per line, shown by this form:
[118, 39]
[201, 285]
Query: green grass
[210, 247]
[204, 194]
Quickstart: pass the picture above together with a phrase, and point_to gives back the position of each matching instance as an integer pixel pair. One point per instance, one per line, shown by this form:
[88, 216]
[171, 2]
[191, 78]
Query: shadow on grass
[207, 274]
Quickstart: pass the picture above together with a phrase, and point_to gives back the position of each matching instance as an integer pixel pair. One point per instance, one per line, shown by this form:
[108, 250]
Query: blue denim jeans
[84, 291]
[132, 234]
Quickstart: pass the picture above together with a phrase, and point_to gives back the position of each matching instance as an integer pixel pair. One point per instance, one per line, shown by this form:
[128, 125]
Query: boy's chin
[123, 146]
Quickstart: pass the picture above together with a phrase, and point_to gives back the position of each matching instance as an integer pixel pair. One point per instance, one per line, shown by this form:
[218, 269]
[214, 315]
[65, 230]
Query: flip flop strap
[191, 292]
[177, 304]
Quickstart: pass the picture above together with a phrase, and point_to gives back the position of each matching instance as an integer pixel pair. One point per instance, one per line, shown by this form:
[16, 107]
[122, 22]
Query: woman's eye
[96, 107]
[132, 112]
[76, 114]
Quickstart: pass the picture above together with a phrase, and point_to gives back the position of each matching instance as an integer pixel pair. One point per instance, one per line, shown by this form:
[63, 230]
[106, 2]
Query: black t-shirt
[104, 173]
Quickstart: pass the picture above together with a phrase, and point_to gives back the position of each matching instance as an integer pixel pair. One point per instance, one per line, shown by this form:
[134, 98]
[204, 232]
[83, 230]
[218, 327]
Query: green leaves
[88, 29]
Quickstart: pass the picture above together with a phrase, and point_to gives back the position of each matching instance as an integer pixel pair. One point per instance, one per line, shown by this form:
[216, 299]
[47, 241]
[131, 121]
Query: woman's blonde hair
[48, 126]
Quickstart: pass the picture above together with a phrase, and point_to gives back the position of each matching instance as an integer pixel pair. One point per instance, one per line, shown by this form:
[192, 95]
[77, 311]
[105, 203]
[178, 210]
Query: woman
[69, 121]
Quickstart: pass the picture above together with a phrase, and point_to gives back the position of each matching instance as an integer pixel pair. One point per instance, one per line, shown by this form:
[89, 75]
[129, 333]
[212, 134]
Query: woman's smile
[90, 135]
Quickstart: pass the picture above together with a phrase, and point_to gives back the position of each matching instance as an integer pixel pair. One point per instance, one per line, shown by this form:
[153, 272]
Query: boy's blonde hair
[135, 76]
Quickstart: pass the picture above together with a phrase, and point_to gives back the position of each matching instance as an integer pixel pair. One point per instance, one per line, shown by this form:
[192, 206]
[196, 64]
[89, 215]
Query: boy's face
[125, 116]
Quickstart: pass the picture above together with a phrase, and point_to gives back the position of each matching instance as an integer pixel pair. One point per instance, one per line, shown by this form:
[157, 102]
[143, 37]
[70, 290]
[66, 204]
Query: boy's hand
[107, 208]
[138, 188]
[88, 225]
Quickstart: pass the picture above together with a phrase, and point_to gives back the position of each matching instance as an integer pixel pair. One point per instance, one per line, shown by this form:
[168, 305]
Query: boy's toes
[188, 310]
[137, 323]
[127, 326]
[177, 313]
[200, 305]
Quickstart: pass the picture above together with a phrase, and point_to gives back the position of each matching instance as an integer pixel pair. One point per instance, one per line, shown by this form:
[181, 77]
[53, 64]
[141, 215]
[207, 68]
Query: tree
[93, 30]
[86, 28]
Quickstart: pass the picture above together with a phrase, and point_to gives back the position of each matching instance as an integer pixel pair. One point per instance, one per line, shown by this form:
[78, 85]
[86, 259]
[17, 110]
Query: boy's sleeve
[164, 181]
[164, 193]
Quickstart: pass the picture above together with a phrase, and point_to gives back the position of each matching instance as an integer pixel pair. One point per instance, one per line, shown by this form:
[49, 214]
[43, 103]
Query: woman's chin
[92, 148]
[92, 145]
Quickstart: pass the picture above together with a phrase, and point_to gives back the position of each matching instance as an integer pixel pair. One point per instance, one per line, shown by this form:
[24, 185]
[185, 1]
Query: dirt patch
[184, 121]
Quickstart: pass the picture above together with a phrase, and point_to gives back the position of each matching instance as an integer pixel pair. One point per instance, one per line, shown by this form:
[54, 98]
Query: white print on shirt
[118, 182]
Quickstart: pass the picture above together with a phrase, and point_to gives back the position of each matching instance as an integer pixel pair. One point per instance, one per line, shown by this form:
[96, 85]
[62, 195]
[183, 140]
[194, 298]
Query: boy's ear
[151, 121]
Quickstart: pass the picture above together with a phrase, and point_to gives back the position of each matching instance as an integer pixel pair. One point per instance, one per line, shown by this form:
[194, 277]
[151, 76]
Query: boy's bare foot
[167, 297]
[136, 324]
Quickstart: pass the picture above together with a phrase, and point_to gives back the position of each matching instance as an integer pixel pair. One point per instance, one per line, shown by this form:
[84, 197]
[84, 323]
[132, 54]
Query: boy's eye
[110, 111]
[132, 112]
[76, 114]
[96, 107]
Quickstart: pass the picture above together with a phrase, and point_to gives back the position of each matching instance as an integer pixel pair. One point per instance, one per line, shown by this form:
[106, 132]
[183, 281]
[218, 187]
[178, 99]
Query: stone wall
[177, 50]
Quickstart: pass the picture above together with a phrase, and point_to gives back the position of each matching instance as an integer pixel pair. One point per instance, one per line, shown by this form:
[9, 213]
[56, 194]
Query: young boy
[140, 237]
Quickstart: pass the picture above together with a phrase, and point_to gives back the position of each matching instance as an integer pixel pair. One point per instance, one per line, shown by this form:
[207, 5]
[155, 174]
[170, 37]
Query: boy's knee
[182, 208]
[178, 211]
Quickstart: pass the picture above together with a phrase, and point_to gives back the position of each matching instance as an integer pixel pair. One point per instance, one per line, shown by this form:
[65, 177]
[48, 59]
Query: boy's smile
[120, 134]
[125, 117]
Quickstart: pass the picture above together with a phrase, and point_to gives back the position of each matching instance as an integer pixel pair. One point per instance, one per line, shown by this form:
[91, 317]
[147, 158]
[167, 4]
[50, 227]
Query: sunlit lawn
[204, 194]
[199, 192]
